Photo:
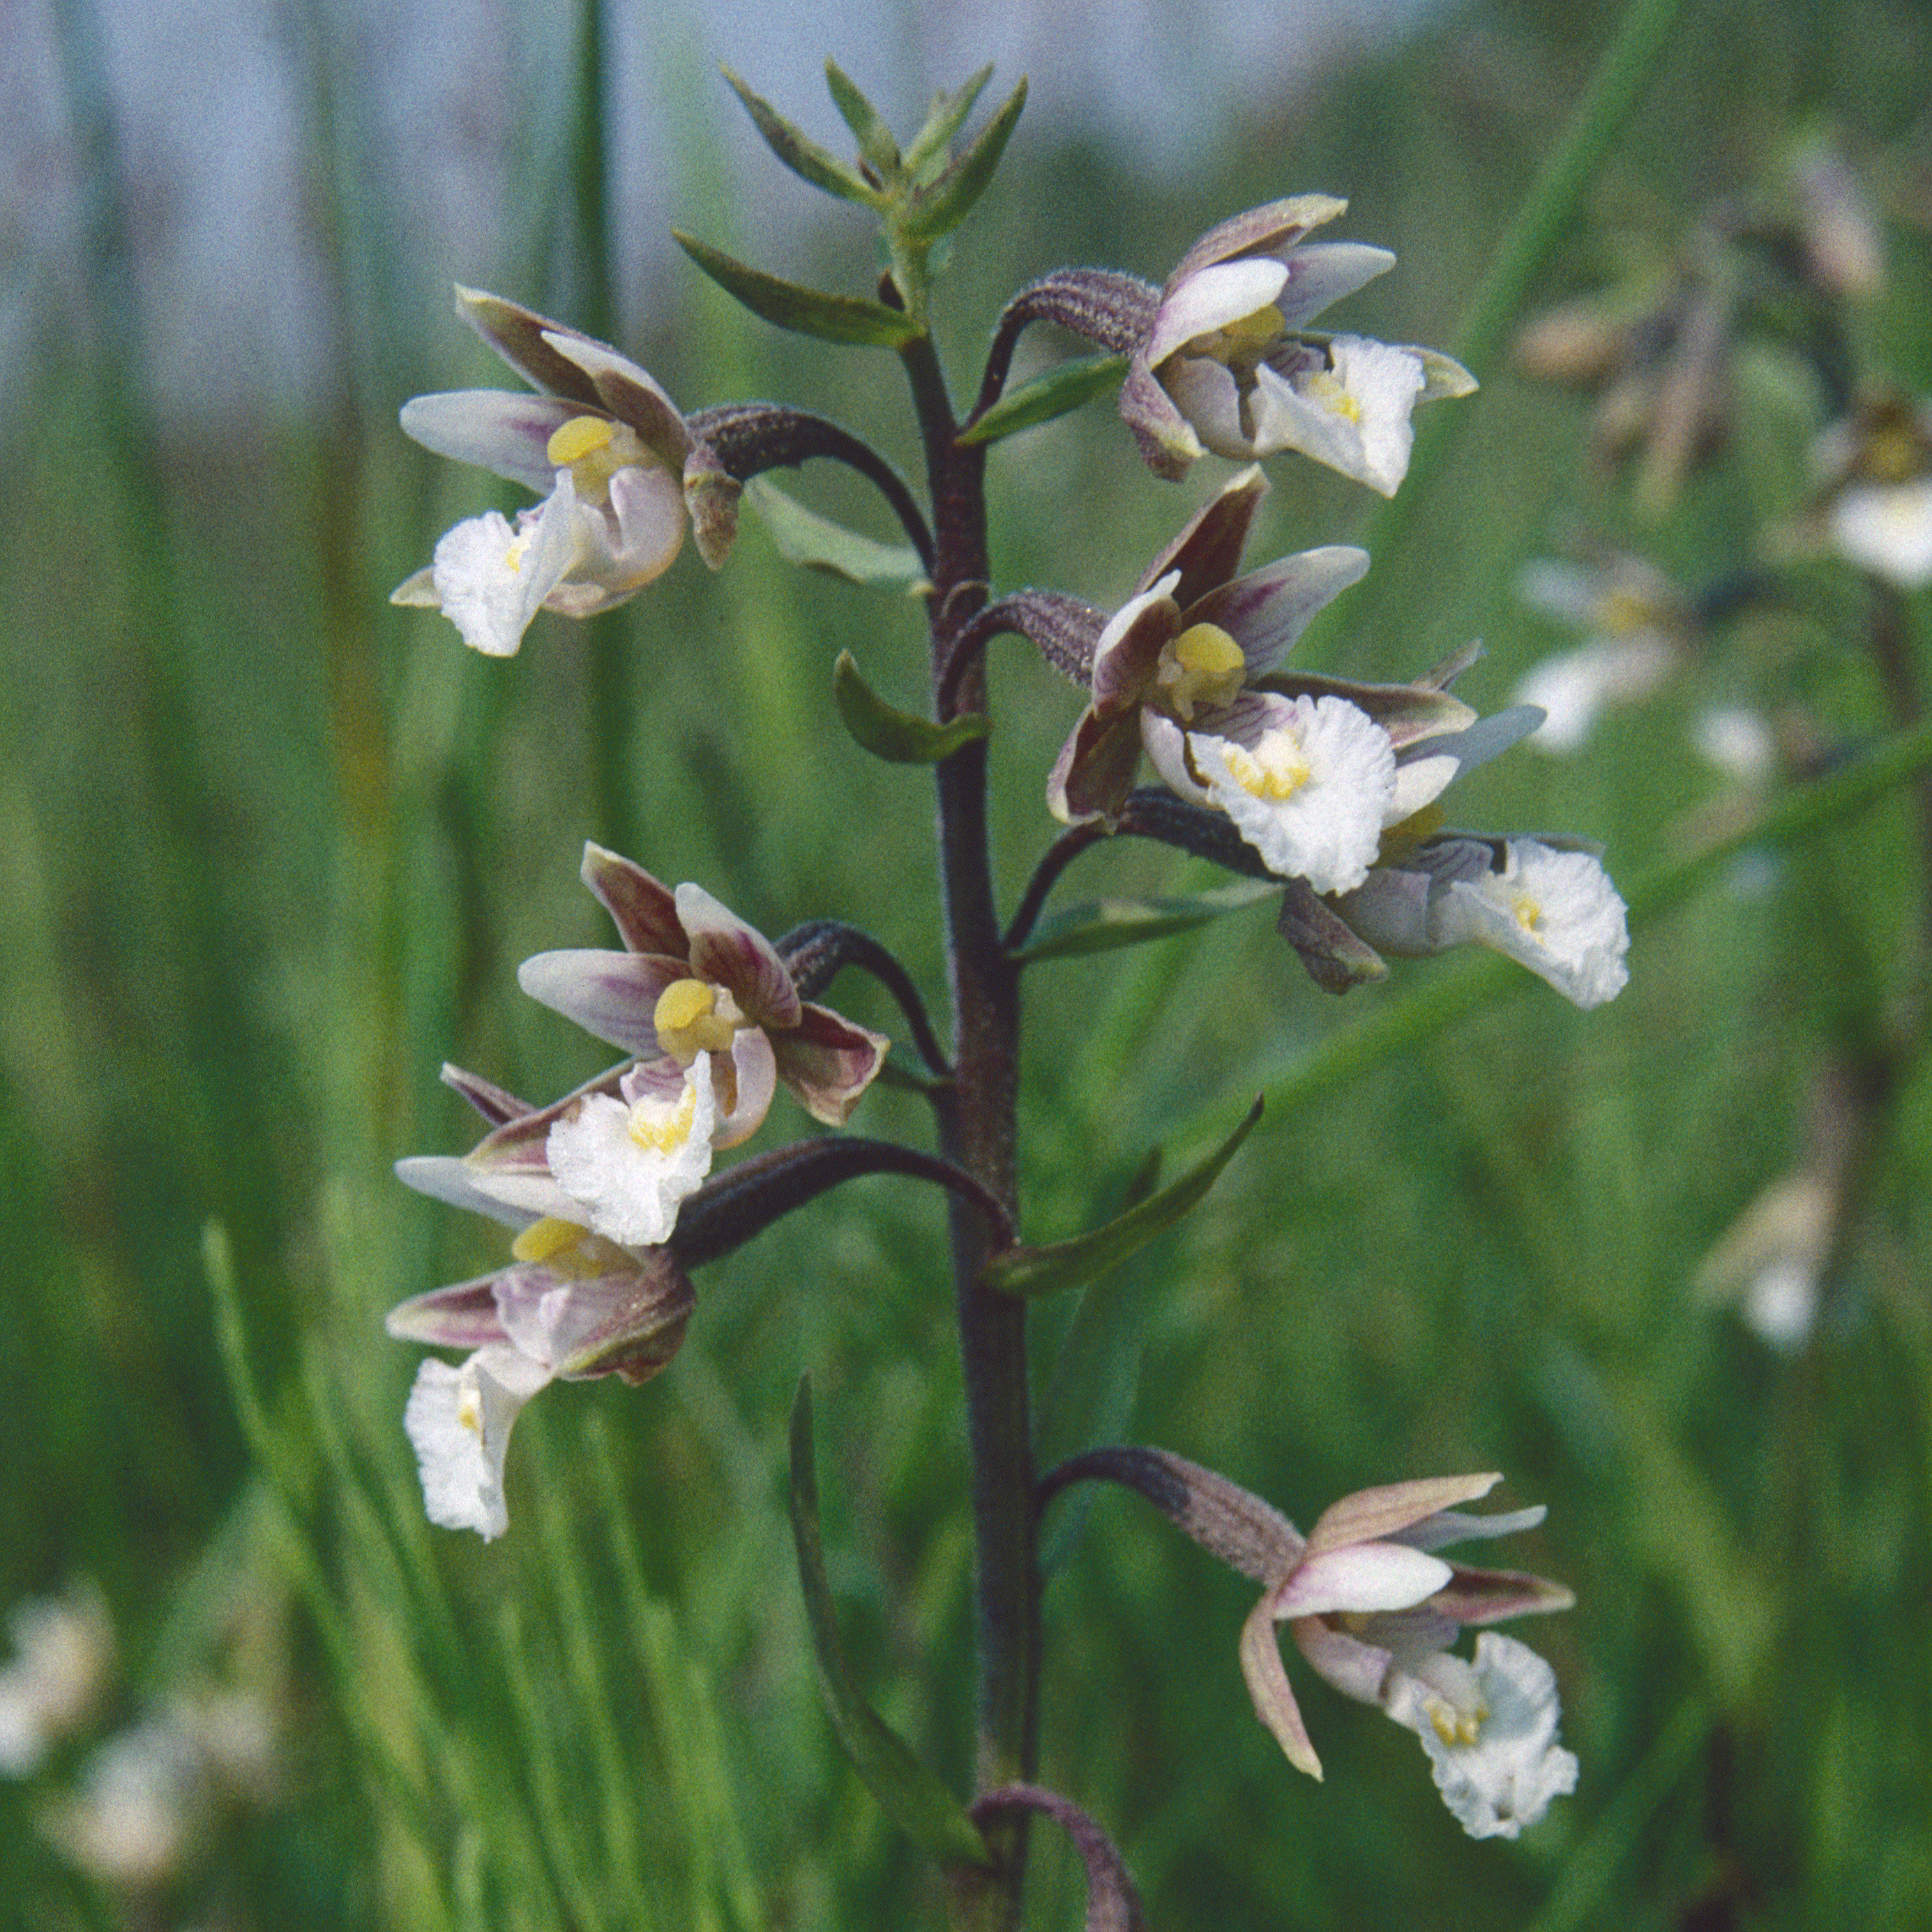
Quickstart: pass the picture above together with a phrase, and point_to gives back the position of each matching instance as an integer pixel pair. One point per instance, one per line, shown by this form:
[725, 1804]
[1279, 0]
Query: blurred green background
[273, 849]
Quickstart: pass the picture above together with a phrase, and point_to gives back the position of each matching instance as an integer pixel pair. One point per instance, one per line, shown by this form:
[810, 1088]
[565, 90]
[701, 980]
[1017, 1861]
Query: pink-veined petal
[1489, 1596]
[1094, 772]
[631, 394]
[1343, 1662]
[1207, 552]
[1128, 649]
[450, 1179]
[729, 953]
[648, 505]
[1369, 1516]
[1273, 229]
[1266, 610]
[827, 1062]
[1324, 272]
[754, 1069]
[643, 908]
[1274, 1697]
[613, 996]
[502, 431]
[462, 1315]
[1211, 299]
[517, 333]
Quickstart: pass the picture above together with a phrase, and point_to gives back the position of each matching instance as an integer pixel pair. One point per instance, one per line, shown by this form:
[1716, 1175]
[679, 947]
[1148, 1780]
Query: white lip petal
[1310, 792]
[630, 1173]
[492, 578]
[1554, 912]
[458, 1420]
[1503, 1777]
[1887, 530]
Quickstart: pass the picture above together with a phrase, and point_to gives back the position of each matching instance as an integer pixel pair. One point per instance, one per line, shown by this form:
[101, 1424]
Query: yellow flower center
[1528, 914]
[1893, 454]
[1274, 770]
[544, 1241]
[1204, 665]
[662, 1127]
[1454, 1726]
[1329, 390]
[1251, 331]
[593, 449]
[513, 557]
[692, 1017]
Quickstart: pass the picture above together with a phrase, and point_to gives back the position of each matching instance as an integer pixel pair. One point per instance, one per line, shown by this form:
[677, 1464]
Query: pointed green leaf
[874, 137]
[1034, 1271]
[1105, 924]
[800, 153]
[908, 1793]
[808, 311]
[898, 736]
[927, 157]
[935, 211]
[1052, 393]
[804, 537]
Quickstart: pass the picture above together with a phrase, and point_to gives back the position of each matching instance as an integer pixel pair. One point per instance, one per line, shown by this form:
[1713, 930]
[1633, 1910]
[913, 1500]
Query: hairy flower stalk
[979, 1128]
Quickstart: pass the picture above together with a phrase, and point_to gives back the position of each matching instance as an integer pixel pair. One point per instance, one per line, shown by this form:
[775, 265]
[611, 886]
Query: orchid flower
[615, 464]
[1310, 770]
[568, 1305]
[1374, 1610]
[1227, 363]
[1876, 467]
[709, 1008]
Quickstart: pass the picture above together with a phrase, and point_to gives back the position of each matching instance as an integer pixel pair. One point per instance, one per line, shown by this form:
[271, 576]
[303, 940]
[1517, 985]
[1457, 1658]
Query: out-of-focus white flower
[1490, 1728]
[1876, 466]
[1738, 741]
[1886, 528]
[1635, 622]
[63, 1652]
[1844, 249]
[1770, 1263]
[142, 1811]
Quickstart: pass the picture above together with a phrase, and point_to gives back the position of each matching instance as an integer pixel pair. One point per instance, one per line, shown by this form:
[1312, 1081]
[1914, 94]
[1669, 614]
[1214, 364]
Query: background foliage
[273, 851]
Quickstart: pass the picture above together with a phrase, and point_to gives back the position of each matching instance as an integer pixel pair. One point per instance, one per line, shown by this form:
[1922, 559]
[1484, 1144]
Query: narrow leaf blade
[908, 1792]
[800, 153]
[785, 305]
[804, 537]
[937, 210]
[874, 137]
[1103, 925]
[897, 736]
[1054, 392]
[1045, 1270]
[926, 157]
